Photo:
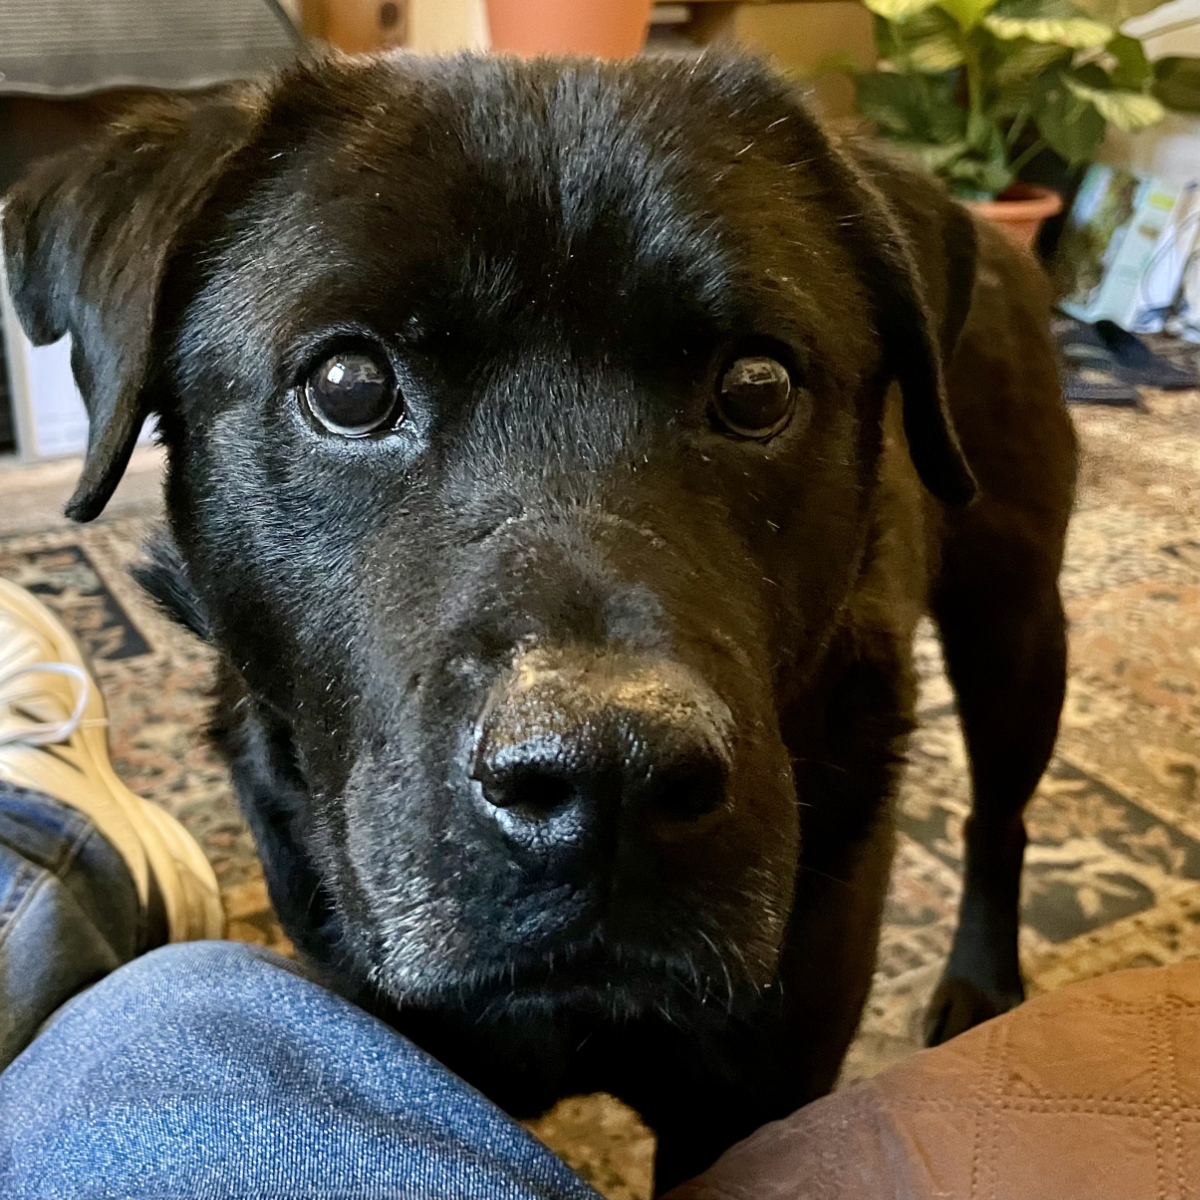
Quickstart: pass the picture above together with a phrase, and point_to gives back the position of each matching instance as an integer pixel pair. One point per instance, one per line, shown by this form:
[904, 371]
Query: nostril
[688, 791]
[538, 778]
[509, 780]
[533, 791]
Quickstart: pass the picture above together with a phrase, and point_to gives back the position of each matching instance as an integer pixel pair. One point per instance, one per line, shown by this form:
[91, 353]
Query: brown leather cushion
[1093, 1090]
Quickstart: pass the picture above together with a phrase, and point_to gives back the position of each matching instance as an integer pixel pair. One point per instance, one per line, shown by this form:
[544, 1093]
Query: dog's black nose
[652, 772]
[581, 743]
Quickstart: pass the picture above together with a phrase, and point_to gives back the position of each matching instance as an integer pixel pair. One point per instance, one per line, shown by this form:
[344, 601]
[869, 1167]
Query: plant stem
[1031, 152]
[1018, 126]
[974, 85]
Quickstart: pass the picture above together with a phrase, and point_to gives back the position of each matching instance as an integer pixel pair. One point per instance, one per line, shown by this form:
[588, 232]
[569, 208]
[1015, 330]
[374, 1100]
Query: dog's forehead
[481, 194]
[573, 143]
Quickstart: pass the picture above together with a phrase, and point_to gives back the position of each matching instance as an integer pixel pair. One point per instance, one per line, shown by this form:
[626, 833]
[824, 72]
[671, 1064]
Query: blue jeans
[209, 1069]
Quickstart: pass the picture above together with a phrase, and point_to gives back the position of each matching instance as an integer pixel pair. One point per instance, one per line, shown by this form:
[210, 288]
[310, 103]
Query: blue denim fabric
[68, 911]
[216, 1069]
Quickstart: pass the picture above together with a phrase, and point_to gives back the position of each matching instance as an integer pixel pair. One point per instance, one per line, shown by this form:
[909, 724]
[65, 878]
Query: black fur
[560, 258]
[164, 576]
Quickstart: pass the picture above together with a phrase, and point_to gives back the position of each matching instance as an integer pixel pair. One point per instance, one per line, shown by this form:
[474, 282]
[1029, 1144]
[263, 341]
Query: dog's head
[524, 425]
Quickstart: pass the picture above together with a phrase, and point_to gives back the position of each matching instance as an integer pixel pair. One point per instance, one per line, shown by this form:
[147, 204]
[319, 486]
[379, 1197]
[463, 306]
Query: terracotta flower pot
[1020, 210]
[607, 28]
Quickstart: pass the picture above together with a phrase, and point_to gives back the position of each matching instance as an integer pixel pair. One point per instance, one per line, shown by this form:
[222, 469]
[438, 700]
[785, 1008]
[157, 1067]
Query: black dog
[537, 471]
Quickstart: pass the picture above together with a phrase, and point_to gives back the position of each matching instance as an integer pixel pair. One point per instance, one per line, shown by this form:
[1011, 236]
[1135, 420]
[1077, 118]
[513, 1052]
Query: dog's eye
[754, 397]
[353, 394]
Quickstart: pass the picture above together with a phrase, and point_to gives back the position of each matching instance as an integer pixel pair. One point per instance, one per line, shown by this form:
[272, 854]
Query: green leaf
[890, 100]
[967, 12]
[899, 10]
[1129, 111]
[928, 43]
[919, 108]
[1090, 73]
[985, 137]
[1072, 127]
[1027, 60]
[977, 180]
[956, 162]
[1080, 33]
[1116, 12]
[935, 54]
[1132, 68]
[1177, 83]
[887, 45]
[936, 159]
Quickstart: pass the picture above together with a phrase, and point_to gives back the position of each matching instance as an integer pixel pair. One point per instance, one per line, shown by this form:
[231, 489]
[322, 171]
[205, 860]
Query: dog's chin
[598, 976]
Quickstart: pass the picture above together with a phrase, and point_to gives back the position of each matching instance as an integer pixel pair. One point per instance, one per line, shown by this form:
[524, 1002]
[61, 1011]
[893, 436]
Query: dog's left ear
[916, 248]
[87, 239]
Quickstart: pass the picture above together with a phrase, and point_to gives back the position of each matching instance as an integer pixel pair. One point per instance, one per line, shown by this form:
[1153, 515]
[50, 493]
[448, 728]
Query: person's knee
[201, 965]
[175, 974]
[177, 987]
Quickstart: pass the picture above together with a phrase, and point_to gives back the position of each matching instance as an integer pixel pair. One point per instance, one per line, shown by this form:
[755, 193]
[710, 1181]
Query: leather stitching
[1098, 1105]
[1169, 1040]
[999, 1075]
[1160, 1158]
[977, 1105]
[1143, 1006]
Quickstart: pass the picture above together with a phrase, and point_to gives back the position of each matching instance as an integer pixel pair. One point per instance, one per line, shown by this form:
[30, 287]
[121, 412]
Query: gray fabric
[72, 47]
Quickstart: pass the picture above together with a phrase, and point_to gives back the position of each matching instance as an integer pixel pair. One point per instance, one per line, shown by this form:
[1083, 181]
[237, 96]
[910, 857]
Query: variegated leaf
[1129, 111]
[1080, 33]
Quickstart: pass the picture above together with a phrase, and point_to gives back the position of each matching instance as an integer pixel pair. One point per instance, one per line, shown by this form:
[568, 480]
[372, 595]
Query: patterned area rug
[1114, 859]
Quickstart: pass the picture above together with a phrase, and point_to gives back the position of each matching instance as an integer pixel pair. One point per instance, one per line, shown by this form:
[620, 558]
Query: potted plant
[608, 28]
[976, 89]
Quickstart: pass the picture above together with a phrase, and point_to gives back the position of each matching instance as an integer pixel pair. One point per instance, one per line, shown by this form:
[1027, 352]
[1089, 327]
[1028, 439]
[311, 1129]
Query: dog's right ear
[87, 239]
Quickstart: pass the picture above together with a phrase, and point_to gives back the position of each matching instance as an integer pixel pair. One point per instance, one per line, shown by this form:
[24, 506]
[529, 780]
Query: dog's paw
[959, 1005]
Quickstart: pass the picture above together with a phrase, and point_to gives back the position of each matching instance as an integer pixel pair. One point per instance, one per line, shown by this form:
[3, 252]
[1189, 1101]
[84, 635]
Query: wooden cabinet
[799, 36]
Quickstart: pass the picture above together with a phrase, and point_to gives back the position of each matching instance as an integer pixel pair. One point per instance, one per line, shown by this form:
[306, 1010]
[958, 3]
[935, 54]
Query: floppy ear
[916, 249]
[919, 301]
[87, 240]
[940, 234]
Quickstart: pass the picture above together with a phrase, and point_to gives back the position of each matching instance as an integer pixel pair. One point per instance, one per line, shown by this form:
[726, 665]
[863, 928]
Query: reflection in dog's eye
[353, 394]
[754, 399]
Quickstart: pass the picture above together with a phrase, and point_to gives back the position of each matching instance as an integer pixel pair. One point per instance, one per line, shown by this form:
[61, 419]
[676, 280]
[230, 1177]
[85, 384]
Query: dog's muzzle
[579, 750]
